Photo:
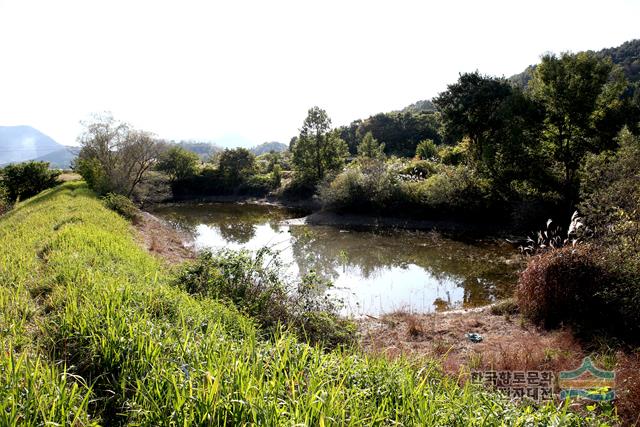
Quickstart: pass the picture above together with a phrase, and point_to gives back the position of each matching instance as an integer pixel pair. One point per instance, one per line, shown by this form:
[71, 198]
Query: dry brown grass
[509, 344]
[70, 176]
[162, 240]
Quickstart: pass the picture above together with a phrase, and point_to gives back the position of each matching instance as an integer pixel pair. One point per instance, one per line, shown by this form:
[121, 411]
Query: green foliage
[318, 150]
[122, 205]
[453, 190]
[93, 174]
[140, 351]
[276, 176]
[399, 131]
[257, 185]
[24, 180]
[178, 163]
[370, 148]
[578, 92]
[611, 207]
[373, 185]
[426, 150]
[417, 170]
[236, 165]
[455, 155]
[254, 284]
[5, 204]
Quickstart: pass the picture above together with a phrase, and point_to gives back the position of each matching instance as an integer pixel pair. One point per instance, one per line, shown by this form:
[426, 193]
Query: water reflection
[373, 272]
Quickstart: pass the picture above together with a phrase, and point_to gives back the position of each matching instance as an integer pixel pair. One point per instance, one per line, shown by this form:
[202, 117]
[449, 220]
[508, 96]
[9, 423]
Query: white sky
[247, 71]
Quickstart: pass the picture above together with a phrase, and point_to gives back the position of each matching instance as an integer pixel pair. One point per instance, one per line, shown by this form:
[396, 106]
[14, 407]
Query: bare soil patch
[162, 240]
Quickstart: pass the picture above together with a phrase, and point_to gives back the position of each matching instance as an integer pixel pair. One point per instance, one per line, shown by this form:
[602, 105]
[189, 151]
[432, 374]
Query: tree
[236, 164]
[24, 180]
[473, 107]
[115, 157]
[318, 149]
[370, 148]
[579, 92]
[178, 163]
[501, 126]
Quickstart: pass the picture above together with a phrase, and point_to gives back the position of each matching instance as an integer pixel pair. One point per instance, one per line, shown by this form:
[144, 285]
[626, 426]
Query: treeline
[484, 149]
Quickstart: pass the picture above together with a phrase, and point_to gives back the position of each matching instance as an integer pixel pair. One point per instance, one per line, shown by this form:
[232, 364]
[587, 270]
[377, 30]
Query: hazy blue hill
[20, 143]
[266, 147]
[204, 150]
[61, 159]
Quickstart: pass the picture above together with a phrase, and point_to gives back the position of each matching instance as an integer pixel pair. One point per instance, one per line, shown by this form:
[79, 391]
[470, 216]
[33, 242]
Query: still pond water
[372, 271]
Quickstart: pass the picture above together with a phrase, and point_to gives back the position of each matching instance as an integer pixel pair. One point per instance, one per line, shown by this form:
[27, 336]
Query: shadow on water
[373, 271]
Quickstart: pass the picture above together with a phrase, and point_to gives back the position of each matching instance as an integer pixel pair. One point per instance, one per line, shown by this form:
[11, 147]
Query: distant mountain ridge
[266, 147]
[21, 143]
[627, 56]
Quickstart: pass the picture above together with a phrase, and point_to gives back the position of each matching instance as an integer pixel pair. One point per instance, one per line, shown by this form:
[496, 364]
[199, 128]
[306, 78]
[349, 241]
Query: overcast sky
[244, 72]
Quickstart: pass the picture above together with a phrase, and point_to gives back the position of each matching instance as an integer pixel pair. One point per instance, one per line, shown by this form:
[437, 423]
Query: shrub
[298, 188]
[561, 286]
[419, 170]
[368, 185]
[178, 163]
[93, 174]
[455, 155]
[122, 205]
[254, 284]
[454, 190]
[5, 204]
[24, 180]
[257, 185]
[426, 150]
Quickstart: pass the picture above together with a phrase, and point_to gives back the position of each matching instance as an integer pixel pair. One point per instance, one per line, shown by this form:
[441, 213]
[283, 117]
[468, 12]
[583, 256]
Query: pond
[373, 271]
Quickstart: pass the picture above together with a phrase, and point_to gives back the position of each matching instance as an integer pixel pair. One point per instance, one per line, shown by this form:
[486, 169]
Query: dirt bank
[163, 240]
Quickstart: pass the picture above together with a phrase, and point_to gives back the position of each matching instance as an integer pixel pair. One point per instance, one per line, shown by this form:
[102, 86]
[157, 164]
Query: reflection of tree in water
[240, 233]
[236, 222]
[482, 270]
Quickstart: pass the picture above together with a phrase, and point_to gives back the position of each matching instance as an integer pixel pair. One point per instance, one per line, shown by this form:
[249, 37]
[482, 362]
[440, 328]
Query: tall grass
[93, 332]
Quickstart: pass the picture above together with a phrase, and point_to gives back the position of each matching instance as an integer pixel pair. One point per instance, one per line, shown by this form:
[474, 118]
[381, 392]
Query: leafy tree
[426, 150]
[178, 163]
[474, 107]
[236, 165]
[501, 127]
[24, 180]
[318, 150]
[402, 131]
[370, 148]
[579, 93]
[115, 157]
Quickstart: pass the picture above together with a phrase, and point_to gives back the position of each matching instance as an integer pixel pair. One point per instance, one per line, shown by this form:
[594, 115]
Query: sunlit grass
[92, 331]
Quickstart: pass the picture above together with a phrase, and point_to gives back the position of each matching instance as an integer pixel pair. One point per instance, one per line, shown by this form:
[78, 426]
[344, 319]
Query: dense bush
[426, 150]
[562, 286]
[24, 180]
[257, 185]
[254, 284]
[364, 186]
[420, 169]
[611, 207]
[457, 190]
[122, 205]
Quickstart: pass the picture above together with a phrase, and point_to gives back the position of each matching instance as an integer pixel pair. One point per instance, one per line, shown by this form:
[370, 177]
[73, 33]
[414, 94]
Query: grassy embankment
[92, 331]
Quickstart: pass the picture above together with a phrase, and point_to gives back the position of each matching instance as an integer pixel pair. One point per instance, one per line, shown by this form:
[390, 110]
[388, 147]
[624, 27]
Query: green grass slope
[93, 332]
